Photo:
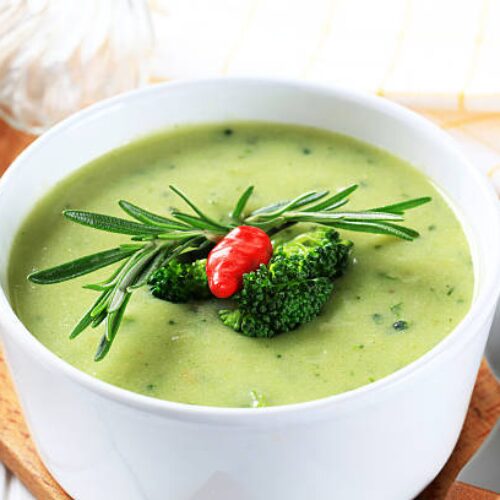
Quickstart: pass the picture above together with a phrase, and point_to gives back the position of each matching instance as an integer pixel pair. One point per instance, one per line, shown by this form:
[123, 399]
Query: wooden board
[12, 142]
[483, 413]
[18, 453]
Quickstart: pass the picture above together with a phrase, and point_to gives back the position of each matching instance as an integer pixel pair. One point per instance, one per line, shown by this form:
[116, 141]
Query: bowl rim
[478, 312]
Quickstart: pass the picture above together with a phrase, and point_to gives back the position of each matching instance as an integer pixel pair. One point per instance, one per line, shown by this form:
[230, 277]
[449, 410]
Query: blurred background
[439, 57]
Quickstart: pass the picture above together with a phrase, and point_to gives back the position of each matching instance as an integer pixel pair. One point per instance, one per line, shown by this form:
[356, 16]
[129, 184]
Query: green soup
[182, 352]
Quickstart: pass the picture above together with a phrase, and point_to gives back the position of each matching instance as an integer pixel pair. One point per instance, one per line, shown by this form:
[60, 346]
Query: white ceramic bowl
[382, 441]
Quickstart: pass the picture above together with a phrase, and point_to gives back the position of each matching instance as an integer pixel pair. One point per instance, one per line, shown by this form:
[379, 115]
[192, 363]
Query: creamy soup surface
[182, 352]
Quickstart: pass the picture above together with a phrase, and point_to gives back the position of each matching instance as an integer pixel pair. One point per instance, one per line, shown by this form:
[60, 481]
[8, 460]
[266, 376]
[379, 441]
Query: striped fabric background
[434, 54]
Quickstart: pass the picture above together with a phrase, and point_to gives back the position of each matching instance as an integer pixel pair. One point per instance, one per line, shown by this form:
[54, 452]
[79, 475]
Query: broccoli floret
[266, 309]
[180, 281]
[292, 288]
[318, 253]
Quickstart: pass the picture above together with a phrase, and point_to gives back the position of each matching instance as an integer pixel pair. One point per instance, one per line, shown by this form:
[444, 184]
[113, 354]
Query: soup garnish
[293, 288]
[241, 251]
[170, 255]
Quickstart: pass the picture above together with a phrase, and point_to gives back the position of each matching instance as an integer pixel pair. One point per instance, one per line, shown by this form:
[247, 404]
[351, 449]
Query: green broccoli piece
[180, 281]
[318, 253]
[292, 289]
[266, 309]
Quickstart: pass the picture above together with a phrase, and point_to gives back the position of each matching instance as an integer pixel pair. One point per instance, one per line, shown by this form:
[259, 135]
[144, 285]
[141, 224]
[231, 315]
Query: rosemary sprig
[274, 218]
[81, 266]
[160, 239]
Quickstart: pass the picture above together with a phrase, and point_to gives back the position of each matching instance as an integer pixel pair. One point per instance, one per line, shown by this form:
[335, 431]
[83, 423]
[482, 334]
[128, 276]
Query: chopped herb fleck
[377, 318]
[377, 247]
[279, 356]
[258, 400]
[451, 289]
[387, 276]
[432, 227]
[397, 308]
[400, 325]
[359, 346]
[228, 131]
[171, 322]
[306, 151]
[246, 152]
[371, 379]
[150, 387]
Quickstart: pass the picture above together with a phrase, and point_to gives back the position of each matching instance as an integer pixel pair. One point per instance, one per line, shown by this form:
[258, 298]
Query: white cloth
[434, 54]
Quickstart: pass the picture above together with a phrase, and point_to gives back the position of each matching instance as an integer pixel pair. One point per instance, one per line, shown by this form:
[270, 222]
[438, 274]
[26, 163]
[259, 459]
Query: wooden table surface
[17, 451]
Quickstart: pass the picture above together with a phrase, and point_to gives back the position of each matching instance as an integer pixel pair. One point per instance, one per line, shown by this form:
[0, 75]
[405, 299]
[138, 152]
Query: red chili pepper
[241, 251]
